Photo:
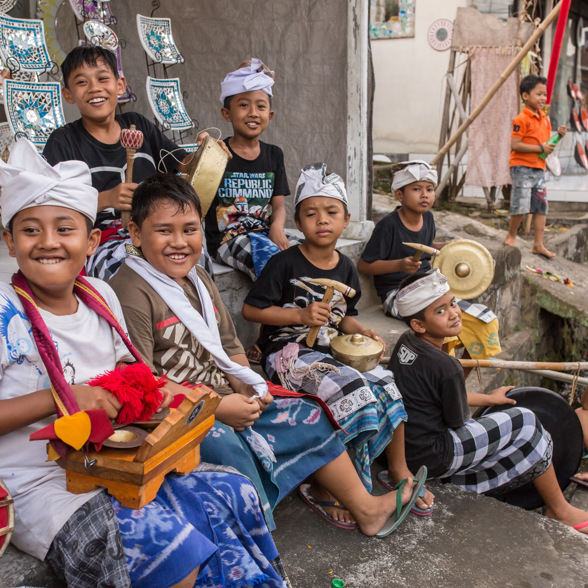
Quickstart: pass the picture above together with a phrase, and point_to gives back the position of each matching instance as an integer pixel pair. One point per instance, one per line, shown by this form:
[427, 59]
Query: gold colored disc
[468, 266]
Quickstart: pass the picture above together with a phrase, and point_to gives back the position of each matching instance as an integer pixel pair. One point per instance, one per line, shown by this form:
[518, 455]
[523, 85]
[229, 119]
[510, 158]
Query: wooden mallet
[420, 250]
[131, 139]
[331, 286]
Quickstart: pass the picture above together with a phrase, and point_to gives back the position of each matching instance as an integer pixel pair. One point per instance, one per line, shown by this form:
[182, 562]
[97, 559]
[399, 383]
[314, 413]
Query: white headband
[28, 180]
[414, 171]
[421, 293]
[313, 181]
[246, 79]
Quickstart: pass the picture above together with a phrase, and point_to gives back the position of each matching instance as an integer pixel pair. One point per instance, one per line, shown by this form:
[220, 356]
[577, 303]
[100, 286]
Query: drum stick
[420, 250]
[130, 139]
[525, 365]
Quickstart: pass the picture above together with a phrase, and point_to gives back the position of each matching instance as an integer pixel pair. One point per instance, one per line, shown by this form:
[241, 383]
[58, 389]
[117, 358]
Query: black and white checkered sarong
[503, 450]
[88, 549]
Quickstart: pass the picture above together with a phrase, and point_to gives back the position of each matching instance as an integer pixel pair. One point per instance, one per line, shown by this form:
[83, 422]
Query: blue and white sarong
[206, 519]
[251, 251]
[368, 406]
[300, 439]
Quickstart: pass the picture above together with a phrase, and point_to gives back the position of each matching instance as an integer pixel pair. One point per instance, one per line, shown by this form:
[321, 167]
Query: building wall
[410, 88]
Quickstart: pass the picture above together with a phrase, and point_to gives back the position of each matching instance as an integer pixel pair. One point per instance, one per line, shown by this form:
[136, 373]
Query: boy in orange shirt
[530, 135]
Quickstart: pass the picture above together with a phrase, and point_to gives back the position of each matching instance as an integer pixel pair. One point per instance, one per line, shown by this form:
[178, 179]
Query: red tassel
[136, 388]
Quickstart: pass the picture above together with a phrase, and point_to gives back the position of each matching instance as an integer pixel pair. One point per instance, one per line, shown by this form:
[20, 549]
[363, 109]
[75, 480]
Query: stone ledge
[20, 569]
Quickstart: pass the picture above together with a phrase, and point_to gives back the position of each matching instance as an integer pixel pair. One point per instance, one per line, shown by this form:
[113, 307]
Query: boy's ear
[93, 241]
[399, 195]
[347, 220]
[226, 114]
[135, 233]
[8, 239]
[271, 114]
[121, 86]
[67, 96]
[418, 326]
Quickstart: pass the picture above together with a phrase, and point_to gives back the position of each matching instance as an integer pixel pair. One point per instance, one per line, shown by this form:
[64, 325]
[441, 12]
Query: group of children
[211, 527]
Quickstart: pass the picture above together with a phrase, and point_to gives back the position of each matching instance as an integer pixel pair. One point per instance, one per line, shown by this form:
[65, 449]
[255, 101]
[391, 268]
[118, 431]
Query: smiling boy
[494, 453]
[92, 84]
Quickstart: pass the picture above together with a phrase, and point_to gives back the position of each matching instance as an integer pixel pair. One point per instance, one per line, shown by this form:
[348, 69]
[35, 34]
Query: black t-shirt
[242, 202]
[108, 163]
[433, 390]
[285, 282]
[386, 243]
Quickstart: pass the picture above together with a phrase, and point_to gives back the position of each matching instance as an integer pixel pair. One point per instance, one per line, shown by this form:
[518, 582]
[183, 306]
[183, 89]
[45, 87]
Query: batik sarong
[250, 252]
[503, 450]
[368, 406]
[295, 438]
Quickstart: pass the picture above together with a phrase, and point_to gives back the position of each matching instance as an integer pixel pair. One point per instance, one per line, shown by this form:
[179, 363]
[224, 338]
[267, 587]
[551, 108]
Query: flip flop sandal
[402, 511]
[384, 479]
[254, 354]
[317, 506]
[579, 481]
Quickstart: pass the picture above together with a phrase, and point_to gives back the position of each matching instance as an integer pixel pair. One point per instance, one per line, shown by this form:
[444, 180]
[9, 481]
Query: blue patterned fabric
[262, 248]
[299, 439]
[206, 519]
[368, 406]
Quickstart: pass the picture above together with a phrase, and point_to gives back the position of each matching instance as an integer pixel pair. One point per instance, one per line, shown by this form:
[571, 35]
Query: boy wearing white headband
[287, 300]
[390, 261]
[245, 224]
[182, 329]
[60, 331]
[491, 454]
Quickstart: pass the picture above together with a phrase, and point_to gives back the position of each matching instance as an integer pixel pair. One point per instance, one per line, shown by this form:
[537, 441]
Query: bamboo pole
[568, 366]
[496, 86]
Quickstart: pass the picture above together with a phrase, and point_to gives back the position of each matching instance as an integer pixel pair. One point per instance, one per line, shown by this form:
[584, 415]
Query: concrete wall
[318, 99]
[410, 86]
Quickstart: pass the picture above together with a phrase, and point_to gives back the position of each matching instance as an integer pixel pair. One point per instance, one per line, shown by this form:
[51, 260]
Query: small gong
[357, 351]
[468, 267]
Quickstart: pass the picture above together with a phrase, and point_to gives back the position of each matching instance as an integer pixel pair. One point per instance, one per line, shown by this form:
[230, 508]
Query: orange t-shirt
[534, 128]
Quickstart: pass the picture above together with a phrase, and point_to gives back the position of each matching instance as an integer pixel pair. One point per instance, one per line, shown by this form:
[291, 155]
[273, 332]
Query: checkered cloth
[88, 550]
[502, 450]
[111, 255]
[368, 406]
[237, 253]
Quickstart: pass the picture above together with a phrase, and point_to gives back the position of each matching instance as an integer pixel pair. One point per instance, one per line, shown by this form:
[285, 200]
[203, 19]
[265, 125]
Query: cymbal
[468, 267]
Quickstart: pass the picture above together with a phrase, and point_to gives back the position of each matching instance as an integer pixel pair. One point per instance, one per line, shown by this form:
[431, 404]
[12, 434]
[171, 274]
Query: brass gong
[358, 351]
[468, 267]
[206, 171]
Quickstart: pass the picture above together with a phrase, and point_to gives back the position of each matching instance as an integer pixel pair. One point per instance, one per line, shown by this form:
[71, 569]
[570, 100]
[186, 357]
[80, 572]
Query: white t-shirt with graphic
[87, 346]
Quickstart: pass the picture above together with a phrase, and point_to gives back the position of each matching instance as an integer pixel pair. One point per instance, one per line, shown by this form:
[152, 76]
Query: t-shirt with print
[165, 344]
[433, 391]
[87, 346]
[386, 243]
[108, 163]
[286, 281]
[242, 202]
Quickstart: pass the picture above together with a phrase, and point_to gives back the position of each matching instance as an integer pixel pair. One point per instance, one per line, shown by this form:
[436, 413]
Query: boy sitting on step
[494, 453]
[288, 303]
[58, 332]
[390, 261]
[177, 319]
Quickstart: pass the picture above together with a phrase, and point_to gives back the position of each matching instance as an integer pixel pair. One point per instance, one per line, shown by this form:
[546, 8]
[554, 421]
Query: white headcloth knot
[413, 171]
[421, 293]
[28, 180]
[314, 181]
[246, 79]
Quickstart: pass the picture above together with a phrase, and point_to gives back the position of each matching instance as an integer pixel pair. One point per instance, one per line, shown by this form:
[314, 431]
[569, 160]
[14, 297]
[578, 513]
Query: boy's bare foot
[582, 476]
[510, 241]
[376, 510]
[571, 517]
[424, 503]
[543, 251]
[337, 513]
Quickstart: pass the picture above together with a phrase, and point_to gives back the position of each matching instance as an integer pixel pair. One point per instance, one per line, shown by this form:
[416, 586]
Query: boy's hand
[409, 266]
[201, 136]
[120, 197]
[95, 397]
[548, 148]
[562, 130]
[249, 391]
[168, 396]
[315, 315]
[238, 411]
[498, 396]
[371, 333]
[277, 235]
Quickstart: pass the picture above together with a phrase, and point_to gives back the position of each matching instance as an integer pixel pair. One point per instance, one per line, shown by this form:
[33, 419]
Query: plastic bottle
[552, 141]
[337, 583]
